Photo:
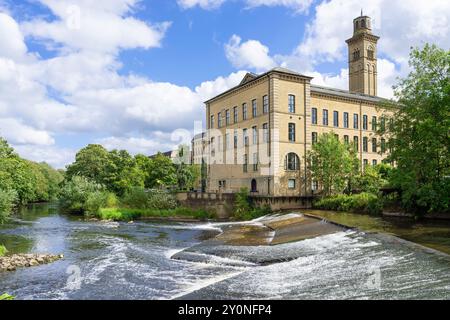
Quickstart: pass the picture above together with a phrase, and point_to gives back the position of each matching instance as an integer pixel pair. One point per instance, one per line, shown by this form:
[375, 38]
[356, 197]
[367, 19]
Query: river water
[133, 261]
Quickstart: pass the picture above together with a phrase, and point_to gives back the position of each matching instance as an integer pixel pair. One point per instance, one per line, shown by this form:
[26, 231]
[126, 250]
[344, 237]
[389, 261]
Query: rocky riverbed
[12, 262]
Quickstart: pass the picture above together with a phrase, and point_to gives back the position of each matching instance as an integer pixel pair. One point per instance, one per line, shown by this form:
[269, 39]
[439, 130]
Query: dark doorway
[254, 186]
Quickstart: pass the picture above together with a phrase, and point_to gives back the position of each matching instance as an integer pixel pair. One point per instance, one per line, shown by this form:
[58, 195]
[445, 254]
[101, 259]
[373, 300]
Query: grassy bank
[357, 203]
[129, 214]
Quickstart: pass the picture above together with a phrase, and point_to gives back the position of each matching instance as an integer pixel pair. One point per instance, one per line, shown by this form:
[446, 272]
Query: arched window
[363, 23]
[292, 162]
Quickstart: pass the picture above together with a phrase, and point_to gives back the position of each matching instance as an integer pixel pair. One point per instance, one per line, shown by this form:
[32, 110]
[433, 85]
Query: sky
[133, 75]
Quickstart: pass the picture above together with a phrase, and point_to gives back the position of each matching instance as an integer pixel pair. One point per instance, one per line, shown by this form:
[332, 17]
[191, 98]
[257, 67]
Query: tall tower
[362, 57]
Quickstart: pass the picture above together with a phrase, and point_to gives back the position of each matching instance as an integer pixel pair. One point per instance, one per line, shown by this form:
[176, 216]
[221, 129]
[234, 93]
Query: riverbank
[130, 214]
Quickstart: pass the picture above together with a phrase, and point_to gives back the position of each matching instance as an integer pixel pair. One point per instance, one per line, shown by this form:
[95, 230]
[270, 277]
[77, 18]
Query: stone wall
[220, 203]
[283, 203]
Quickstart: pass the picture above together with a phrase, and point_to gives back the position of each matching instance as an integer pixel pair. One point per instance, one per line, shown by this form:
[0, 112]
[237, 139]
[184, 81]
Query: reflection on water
[430, 233]
[133, 261]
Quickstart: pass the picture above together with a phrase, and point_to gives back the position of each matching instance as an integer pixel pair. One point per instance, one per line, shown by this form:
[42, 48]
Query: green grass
[6, 296]
[3, 250]
[128, 214]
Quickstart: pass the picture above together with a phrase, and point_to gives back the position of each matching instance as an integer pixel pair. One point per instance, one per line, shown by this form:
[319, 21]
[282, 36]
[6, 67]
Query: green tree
[90, 162]
[162, 172]
[418, 132]
[332, 164]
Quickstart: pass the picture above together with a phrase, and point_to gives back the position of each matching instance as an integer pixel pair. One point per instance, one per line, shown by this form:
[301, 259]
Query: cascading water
[137, 261]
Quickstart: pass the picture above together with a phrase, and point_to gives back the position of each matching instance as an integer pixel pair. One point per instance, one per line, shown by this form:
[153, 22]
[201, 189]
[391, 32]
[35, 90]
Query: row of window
[227, 115]
[336, 120]
[365, 144]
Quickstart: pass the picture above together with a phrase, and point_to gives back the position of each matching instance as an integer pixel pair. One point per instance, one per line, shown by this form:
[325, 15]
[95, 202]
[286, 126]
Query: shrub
[3, 250]
[244, 210]
[362, 203]
[80, 195]
[7, 200]
[149, 199]
[98, 200]
[127, 214]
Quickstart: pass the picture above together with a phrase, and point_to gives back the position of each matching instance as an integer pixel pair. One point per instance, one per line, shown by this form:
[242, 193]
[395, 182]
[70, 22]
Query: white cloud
[19, 133]
[11, 39]
[139, 145]
[249, 54]
[204, 4]
[95, 26]
[298, 6]
[81, 91]
[55, 156]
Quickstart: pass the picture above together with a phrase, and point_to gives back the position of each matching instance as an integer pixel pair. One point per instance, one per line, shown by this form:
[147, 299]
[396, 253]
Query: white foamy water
[135, 262]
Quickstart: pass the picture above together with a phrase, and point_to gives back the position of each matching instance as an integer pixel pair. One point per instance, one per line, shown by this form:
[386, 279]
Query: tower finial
[361, 12]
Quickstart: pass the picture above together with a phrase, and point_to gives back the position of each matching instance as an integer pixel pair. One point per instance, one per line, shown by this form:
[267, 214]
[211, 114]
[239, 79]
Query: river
[133, 261]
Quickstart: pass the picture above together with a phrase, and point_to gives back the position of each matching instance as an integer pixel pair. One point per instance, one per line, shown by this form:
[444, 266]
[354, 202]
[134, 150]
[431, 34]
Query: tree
[162, 172]
[90, 162]
[332, 164]
[418, 132]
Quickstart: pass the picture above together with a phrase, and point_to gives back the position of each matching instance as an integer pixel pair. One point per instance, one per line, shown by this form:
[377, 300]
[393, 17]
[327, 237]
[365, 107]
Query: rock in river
[12, 262]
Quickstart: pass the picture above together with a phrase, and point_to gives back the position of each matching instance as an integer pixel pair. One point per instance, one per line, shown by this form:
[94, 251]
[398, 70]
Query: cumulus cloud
[249, 54]
[98, 26]
[81, 90]
[204, 4]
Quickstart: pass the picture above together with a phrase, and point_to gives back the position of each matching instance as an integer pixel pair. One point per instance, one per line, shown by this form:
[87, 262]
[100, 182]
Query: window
[366, 163]
[370, 53]
[244, 111]
[374, 144]
[346, 139]
[356, 54]
[325, 117]
[291, 106]
[265, 132]
[227, 141]
[254, 108]
[245, 167]
[222, 184]
[365, 144]
[235, 114]
[292, 162]
[291, 183]
[355, 121]
[315, 185]
[291, 132]
[336, 136]
[314, 137]
[235, 138]
[211, 124]
[345, 119]
[374, 123]
[314, 116]
[336, 118]
[213, 147]
[245, 137]
[255, 162]
[383, 124]
[374, 162]
[365, 122]
[383, 145]
[266, 104]
[255, 135]
[356, 143]
[227, 117]
[219, 120]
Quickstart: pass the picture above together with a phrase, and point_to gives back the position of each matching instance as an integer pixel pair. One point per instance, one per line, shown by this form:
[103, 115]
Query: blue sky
[128, 73]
